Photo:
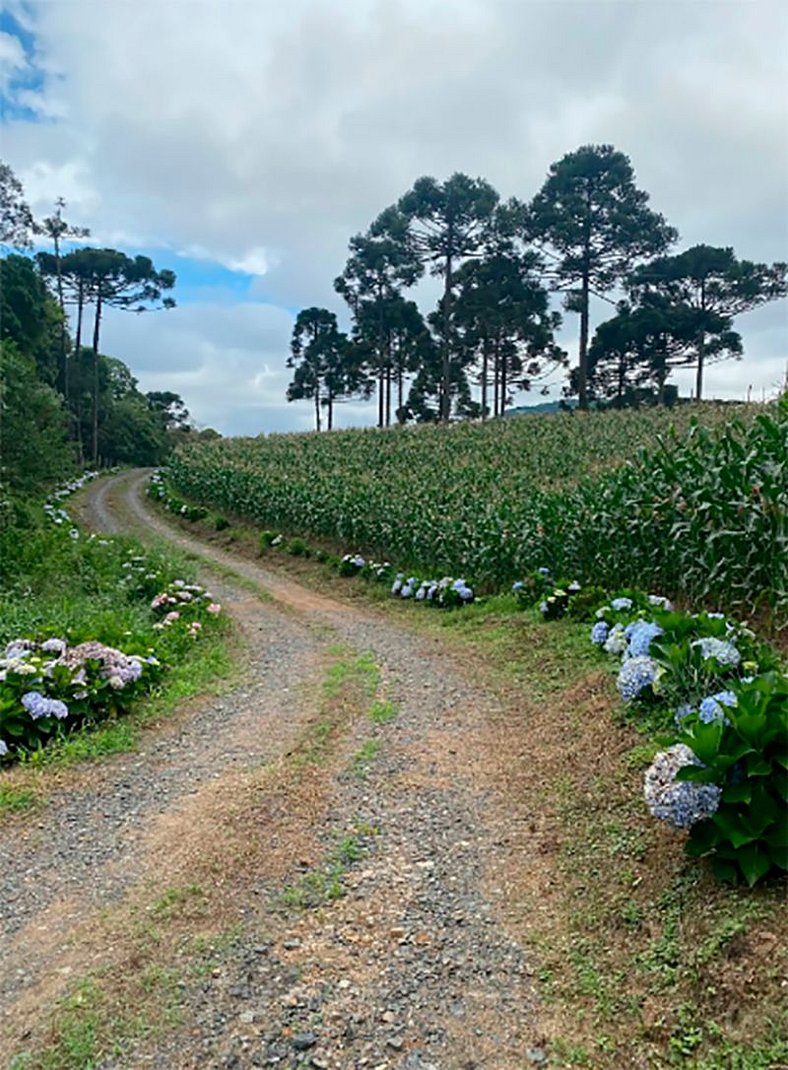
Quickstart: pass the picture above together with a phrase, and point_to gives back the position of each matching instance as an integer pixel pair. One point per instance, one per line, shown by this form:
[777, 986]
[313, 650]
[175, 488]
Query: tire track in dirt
[413, 968]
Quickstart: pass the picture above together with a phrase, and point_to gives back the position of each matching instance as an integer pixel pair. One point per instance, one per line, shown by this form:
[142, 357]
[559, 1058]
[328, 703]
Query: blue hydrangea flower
[641, 635]
[543, 571]
[54, 646]
[682, 713]
[723, 651]
[518, 585]
[619, 604]
[3, 747]
[37, 705]
[681, 803]
[711, 708]
[635, 676]
[599, 632]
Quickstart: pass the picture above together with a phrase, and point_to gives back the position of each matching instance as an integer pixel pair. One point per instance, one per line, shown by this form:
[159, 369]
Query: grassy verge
[645, 960]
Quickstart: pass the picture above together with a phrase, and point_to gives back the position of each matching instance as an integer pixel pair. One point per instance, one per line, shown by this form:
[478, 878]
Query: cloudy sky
[242, 142]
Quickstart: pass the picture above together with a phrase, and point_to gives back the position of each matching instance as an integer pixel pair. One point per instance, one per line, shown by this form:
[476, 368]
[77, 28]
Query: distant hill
[544, 406]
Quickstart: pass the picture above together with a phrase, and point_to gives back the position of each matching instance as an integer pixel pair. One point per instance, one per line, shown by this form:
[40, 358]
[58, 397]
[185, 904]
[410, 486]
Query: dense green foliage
[86, 625]
[496, 501]
[62, 401]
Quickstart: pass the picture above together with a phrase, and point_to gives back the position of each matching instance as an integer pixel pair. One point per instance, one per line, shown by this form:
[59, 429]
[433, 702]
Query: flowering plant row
[57, 672]
[723, 699]
[446, 593]
[158, 491]
[51, 685]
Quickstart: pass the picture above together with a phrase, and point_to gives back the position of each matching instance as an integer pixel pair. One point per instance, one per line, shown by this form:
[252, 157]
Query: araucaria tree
[596, 226]
[379, 266]
[717, 287]
[504, 323]
[448, 222]
[56, 228]
[109, 278]
[319, 353]
[634, 352]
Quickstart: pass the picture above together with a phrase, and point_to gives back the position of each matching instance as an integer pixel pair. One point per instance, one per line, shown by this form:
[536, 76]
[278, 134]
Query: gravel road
[414, 966]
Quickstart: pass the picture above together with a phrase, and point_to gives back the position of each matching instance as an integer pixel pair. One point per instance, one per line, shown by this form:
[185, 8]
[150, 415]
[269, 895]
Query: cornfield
[690, 501]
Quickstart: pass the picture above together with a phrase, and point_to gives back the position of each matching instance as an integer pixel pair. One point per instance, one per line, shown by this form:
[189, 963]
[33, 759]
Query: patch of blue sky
[205, 280]
[26, 79]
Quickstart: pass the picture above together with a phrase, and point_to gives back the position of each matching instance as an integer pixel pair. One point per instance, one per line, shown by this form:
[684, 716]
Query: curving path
[413, 967]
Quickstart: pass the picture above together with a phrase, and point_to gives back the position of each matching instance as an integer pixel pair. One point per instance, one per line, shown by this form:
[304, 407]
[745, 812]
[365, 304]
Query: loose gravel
[412, 966]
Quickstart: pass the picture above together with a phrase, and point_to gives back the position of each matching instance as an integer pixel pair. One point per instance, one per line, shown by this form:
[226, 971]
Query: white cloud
[261, 136]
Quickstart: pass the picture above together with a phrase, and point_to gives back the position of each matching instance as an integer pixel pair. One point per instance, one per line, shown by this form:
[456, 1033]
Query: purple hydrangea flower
[679, 802]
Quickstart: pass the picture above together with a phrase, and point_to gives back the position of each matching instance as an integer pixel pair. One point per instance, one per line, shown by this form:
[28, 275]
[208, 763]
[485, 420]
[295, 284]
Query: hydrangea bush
[83, 660]
[723, 775]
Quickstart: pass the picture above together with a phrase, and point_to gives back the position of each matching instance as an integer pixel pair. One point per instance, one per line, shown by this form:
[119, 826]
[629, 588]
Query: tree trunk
[582, 366]
[388, 393]
[701, 345]
[61, 301]
[485, 362]
[330, 411]
[701, 356]
[446, 356]
[381, 363]
[496, 377]
[317, 407]
[96, 329]
[661, 387]
[80, 311]
[504, 384]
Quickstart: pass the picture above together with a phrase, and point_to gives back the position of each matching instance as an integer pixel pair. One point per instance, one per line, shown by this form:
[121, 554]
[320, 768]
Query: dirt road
[308, 896]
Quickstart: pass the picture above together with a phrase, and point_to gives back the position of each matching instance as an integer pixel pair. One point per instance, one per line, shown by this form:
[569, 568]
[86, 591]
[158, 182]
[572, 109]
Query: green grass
[323, 883]
[350, 669]
[364, 757]
[382, 711]
[16, 799]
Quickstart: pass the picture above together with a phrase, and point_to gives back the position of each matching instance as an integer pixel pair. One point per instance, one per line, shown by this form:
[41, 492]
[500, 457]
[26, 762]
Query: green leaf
[733, 829]
[754, 863]
[735, 793]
